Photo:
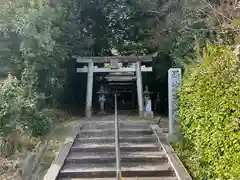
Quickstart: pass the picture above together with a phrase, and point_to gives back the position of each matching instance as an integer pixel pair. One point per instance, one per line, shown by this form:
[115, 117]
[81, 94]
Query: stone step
[121, 121]
[140, 157]
[112, 123]
[124, 178]
[110, 147]
[109, 170]
[126, 139]
[107, 132]
[111, 126]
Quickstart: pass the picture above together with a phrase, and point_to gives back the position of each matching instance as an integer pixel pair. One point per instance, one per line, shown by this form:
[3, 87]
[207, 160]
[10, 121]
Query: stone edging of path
[58, 162]
[180, 170]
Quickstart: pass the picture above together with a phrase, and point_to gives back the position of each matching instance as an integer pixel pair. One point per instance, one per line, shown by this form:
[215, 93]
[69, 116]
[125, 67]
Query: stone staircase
[92, 154]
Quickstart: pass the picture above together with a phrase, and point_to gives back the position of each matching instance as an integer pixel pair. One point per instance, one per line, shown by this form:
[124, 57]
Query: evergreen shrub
[209, 110]
[19, 111]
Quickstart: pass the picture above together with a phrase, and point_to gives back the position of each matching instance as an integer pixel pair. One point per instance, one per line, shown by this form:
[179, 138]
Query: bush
[19, 108]
[34, 47]
[210, 115]
[19, 111]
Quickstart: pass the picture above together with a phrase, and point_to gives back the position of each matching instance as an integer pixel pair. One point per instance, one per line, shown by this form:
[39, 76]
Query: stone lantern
[102, 98]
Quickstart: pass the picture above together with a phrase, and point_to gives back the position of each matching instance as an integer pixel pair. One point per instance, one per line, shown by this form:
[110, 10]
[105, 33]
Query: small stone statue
[147, 103]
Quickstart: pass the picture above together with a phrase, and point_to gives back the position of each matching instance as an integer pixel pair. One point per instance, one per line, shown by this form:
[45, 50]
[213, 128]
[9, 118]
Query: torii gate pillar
[139, 89]
[88, 111]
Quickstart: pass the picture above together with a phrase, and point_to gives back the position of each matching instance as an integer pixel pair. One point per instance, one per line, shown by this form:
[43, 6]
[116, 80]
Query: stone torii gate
[114, 67]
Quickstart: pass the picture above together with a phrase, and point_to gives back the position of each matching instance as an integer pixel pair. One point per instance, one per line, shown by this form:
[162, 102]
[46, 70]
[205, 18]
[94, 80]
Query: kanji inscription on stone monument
[174, 80]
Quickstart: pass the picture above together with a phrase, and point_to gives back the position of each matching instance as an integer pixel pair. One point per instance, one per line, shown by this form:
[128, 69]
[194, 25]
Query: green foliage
[31, 50]
[9, 90]
[209, 115]
[20, 110]
[34, 50]
[20, 115]
[37, 30]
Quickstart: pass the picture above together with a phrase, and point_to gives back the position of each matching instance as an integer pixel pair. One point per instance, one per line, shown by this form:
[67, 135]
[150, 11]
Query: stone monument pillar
[174, 80]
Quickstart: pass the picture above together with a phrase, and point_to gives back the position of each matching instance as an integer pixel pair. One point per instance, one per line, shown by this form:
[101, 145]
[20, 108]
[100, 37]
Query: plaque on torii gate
[114, 64]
